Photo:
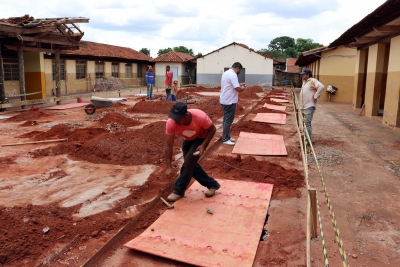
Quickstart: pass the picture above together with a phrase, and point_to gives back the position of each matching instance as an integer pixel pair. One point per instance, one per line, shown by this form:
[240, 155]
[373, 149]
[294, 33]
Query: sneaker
[233, 140]
[211, 191]
[173, 197]
[229, 143]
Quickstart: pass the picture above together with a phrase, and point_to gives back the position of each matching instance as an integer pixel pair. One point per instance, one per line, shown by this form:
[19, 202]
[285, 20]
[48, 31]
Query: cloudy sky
[202, 26]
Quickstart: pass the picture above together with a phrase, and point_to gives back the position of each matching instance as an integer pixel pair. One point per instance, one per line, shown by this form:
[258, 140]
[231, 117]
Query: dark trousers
[168, 93]
[229, 115]
[191, 168]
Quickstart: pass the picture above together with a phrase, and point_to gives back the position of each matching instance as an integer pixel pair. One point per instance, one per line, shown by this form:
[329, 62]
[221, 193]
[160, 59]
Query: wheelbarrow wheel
[90, 109]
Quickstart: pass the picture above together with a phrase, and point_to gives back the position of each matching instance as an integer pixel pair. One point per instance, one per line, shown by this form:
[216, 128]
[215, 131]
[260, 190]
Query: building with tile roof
[257, 67]
[181, 64]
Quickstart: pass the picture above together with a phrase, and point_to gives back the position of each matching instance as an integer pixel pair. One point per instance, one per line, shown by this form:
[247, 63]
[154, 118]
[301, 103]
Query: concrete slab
[275, 107]
[260, 144]
[276, 118]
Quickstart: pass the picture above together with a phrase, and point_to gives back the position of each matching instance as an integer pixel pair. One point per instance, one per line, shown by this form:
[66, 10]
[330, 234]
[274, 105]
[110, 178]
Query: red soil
[27, 115]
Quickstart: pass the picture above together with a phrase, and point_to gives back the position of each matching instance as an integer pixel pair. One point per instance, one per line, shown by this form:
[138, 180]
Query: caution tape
[325, 254]
[22, 94]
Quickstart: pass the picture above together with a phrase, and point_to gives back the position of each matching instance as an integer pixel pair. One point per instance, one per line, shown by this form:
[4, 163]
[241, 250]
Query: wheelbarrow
[99, 102]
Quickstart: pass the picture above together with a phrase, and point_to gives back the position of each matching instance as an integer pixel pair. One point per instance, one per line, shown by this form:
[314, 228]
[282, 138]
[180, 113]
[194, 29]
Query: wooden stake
[362, 110]
[314, 224]
[36, 142]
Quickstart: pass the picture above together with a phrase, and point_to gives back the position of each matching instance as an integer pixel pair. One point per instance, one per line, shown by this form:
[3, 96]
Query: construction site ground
[76, 203]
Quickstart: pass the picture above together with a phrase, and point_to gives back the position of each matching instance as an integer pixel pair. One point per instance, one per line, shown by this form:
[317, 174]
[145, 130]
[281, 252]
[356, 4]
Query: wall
[34, 75]
[160, 69]
[293, 78]
[259, 70]
[336, 67]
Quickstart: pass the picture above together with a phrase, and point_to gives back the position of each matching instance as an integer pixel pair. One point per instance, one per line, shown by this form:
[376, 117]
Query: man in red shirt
[168, 81]
[197, 130]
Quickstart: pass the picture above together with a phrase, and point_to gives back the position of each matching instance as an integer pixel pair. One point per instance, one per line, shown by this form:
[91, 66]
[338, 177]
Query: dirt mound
[159, 106]
[29, 123]
[27, 115]
[285, 181]
[253, 127]
[115, 117]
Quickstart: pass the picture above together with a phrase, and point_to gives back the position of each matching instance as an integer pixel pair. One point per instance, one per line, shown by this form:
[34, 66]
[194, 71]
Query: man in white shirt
[310, 92]
[230, 89]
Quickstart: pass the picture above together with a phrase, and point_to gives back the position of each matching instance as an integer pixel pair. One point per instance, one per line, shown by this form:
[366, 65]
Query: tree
[281, 43]
[145, 51]
[274, 53]
[184, 49]
[306, 44]
[292, 52]
[163, 51]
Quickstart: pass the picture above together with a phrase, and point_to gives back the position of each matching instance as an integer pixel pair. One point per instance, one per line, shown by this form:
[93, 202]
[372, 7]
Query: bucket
[79, 99]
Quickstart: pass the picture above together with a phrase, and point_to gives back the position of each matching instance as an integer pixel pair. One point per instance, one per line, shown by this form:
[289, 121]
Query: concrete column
[375, 71]
[359, 78]
[391, 112]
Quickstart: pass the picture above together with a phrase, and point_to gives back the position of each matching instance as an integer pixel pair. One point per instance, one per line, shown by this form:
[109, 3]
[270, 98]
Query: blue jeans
[308, 114]
[190, 168]
[229, 115]
[168, 93]
[150, 91]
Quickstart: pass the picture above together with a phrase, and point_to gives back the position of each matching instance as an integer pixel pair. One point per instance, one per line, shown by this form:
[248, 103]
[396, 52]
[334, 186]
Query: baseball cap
[306, 71]
[178, 110]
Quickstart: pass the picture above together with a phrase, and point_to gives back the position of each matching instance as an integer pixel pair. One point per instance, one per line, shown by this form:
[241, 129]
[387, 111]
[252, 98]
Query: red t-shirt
[197, 128]
[168, 78]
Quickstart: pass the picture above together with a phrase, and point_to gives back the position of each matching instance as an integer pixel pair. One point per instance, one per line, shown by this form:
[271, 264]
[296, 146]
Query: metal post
[21, 68]
[58, 82]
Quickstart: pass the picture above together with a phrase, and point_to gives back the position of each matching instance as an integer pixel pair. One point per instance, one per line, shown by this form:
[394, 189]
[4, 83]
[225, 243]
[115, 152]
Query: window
[128, 71]
[114, 70]
[139, 71]
[80, 69]
[99, 69]
[62, 69]
[11, 70]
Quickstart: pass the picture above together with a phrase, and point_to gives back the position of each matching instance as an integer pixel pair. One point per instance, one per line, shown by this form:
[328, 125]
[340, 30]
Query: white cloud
[202, 26]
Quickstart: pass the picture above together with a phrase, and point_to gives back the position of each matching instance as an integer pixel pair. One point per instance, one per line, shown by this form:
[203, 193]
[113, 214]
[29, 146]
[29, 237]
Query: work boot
[173, 197]
[211, 191]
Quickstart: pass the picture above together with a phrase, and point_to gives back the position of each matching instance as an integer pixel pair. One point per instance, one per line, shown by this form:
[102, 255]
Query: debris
[210, 210]
[354, 256]
[46, 230]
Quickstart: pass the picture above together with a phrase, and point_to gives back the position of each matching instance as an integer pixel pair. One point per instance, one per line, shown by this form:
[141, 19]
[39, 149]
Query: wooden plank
[274, 107]
[229, 237]
[276, 118]
[280, 100]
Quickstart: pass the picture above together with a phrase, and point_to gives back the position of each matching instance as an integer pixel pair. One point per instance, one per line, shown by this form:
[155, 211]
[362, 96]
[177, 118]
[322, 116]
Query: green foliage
[164, 51]
[184, 49]
[145, 51]
[274, 53]
[306, 44]
[281, 43]
[292, 52]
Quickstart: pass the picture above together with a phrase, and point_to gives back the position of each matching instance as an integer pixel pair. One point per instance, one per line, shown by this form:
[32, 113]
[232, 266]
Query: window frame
[79, 65]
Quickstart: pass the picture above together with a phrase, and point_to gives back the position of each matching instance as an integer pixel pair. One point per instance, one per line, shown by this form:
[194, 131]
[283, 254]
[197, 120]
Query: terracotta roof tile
[173, 56]
[290, 65]
[93, 49]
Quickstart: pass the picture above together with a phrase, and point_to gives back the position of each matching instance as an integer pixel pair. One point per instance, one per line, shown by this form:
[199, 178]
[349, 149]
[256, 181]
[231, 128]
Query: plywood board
[4, 117]
[229, 237]
[278, 96]
[209, 93]
[280, 100]
[274, 107]
[67, 106]
[260, 144]
[277, 118]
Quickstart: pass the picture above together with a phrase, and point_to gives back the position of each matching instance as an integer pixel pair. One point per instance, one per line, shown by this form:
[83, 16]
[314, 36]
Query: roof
[173, 56]
[291, 65]
[379, 26]
[43, 35]
[93, 49]
[308, 57]
[276, 61]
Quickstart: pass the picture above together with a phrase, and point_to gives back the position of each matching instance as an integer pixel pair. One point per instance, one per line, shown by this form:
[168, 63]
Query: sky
[203, 26]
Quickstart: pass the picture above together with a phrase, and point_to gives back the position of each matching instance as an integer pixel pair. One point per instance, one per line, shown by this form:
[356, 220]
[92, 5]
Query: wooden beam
[2, 88]
[388, 28]
[363, 39]
[30, 49]
[58, 81]
[21, 75]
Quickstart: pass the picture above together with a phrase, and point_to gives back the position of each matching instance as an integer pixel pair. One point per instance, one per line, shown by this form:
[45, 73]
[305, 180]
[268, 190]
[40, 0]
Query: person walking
[230, 89]
[150, 81]
[310, 92]
[197, 130]
[168, 81]
[285, 82]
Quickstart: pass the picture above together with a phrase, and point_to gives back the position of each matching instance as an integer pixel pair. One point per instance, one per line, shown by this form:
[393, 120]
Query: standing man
[168, 82]
[310, 92]
[150, 82]
[230, 89]
[197, 130]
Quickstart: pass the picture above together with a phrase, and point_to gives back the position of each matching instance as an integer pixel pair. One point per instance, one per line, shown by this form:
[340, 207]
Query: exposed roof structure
[276, 61]
[379, 26]
[173, 56]
[308, 57]
[96, 50]
[43, 35]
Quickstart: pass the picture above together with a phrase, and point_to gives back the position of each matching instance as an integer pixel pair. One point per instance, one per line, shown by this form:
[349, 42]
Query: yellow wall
[336, 67]
[391, 113]
[360, 78]
[34, 75]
